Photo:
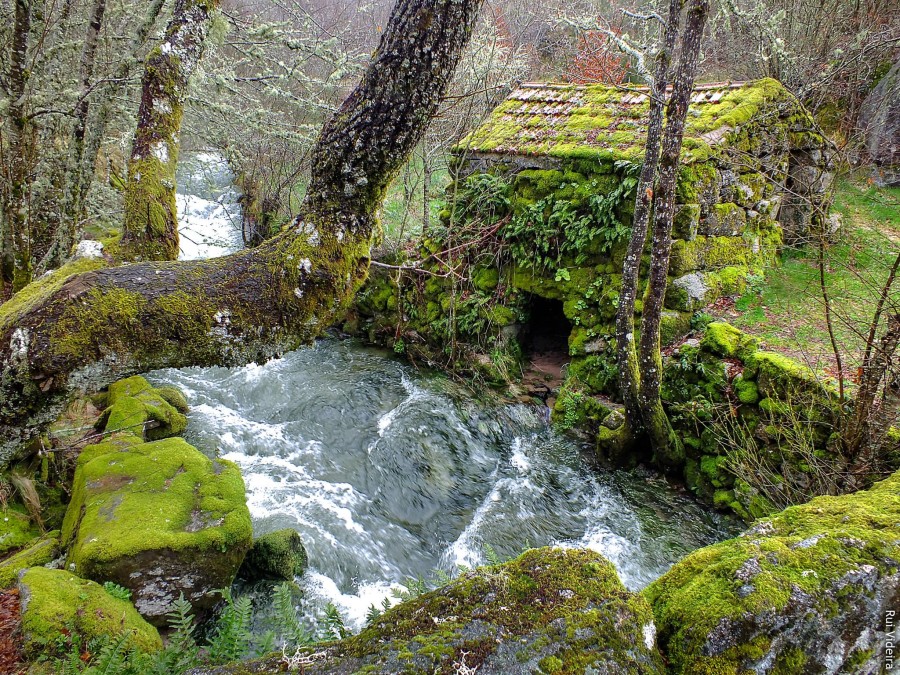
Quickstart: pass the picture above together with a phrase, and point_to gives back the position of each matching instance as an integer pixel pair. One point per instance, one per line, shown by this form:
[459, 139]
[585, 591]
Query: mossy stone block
[39, 552]
[158, 518]
[726, 219]
[823, 573]
[673, 326]
[686, 221]
[55, 602]
[565, 610]
[723, 339]
[277, 556]
[134, 406]
[16, 528]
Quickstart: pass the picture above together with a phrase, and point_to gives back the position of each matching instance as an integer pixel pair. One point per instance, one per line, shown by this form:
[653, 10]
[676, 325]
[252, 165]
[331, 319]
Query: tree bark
[15, 239]
[151, 220]
[626, 352]
[666, 445]
[250, 306]
[64, 237]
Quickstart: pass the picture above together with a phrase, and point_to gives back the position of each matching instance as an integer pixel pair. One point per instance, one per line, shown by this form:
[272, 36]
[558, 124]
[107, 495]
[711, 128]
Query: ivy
[551, 230]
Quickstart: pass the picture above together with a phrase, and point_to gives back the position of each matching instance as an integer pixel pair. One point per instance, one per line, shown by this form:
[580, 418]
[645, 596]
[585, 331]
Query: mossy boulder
[16, 528]
[56, 602]
[158, 518]
[723, 339]
[38, 553]
[804, 591]
[277, 556]
[134, 406]
[548, 611]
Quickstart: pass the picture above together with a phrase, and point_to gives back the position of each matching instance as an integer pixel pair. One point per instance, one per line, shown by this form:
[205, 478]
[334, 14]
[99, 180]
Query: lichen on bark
[257, 303]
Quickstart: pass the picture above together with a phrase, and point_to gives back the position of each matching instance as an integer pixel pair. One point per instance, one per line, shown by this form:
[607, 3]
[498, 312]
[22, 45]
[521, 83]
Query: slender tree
[96, 327]
[15, 239]
[151, 219]
[666, 445]
[64, 237]
[627, 359]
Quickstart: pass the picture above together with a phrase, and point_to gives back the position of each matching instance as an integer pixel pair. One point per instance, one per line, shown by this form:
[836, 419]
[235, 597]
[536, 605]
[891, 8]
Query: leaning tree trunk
[64, 237]
[151, 220]
[666, 445]
[15, 239]
[257, 303]
[626, 352]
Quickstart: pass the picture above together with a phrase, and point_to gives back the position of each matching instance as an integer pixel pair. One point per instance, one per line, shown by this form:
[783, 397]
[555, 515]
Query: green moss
[134, 406]
[16, 528]
[55, 602]
[596, 373]
[782, 378]
[278, 555]
[174, 397]
[600, 127]
[746, 390]
[486, 278]
[747, 584]
[131, 498]
[37, 291]
[564, 609]
[723, 339]
[673, 326]
[38, 553]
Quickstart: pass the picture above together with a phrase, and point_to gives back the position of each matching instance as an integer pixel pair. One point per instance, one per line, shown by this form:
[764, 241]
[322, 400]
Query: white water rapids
[389, 473]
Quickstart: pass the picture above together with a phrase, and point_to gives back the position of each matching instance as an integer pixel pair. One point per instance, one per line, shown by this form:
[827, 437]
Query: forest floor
[786, 308]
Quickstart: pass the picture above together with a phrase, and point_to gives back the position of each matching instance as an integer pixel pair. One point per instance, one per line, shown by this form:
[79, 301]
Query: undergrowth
[231, 639]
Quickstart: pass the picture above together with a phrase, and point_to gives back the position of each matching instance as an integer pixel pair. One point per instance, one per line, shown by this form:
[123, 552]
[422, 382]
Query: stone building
[529, 254]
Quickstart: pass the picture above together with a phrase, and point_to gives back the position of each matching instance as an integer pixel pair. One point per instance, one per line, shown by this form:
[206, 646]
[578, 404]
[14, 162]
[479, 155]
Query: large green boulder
[277, 556]
[160, 519]
[56, 603]
[39, 552]
[805, 591]
[134, 406]
[548, 611]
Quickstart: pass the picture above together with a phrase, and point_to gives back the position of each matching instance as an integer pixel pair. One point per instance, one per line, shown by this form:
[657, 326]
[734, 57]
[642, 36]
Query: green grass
[786, 309]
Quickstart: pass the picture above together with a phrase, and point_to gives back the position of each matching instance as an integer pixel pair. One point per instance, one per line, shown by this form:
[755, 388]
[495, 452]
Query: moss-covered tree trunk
[626, 351]
[96, 327]
[667, 447]
[151, 219]
[15, 238]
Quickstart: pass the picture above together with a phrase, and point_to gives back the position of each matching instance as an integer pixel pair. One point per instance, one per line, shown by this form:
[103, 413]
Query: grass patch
[787, 311]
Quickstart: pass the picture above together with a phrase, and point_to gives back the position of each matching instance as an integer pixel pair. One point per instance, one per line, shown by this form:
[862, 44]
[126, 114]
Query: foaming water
[389, 474]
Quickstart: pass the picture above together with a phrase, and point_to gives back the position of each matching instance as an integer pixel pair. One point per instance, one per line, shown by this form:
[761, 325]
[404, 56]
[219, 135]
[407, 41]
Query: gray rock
[879, 120]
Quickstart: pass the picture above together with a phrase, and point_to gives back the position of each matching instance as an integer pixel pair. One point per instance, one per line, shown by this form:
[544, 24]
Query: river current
[389, 473]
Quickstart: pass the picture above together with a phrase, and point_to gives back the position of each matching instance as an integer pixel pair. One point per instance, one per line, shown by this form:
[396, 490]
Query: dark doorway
[545, 340]
[547, 331]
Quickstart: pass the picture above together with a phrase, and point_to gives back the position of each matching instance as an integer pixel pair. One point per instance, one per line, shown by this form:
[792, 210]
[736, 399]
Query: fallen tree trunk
[93, 328]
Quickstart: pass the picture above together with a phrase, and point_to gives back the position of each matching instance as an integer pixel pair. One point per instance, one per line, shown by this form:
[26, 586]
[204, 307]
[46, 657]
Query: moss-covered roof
[608, 123]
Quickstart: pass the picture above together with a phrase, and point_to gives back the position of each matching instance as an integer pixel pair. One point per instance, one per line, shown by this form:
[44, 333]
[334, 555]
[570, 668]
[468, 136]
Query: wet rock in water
[277, 556]
[40, 552]
[55, 603]
[548, 611]
[805, 591]
[160, 519]
[134, 406]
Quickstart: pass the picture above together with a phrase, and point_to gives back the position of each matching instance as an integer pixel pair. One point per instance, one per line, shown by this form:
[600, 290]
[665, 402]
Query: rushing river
[389, 474]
